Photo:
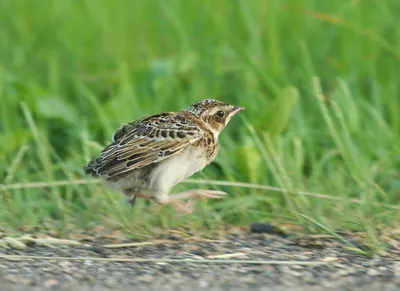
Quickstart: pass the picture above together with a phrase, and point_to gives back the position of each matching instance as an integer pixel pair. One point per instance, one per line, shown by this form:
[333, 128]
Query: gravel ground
[340, 269]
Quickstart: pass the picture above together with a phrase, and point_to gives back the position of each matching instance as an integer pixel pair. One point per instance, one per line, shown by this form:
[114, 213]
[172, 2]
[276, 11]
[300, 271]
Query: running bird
[147, 157]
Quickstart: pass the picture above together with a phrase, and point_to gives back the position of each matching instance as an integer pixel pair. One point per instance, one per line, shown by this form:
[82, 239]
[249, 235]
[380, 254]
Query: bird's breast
[179, 167]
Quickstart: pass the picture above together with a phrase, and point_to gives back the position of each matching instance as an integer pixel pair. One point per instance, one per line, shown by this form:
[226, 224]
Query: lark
[149, 156]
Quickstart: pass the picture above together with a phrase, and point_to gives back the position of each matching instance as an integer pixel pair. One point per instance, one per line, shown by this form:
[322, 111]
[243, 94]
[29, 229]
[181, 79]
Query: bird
[149, 156]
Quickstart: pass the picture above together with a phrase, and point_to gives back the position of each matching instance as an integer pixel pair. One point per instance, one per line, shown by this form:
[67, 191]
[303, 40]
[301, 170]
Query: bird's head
[215, 113]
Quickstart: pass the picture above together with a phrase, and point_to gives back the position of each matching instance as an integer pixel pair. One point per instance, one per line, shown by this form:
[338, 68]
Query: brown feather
[145, 141]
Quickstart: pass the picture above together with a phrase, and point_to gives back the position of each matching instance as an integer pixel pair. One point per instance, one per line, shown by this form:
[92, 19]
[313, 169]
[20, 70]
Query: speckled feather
[200, 107]
[146, 141]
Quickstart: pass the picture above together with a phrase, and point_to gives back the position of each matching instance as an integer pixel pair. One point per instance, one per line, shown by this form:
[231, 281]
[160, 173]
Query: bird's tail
[90, 168]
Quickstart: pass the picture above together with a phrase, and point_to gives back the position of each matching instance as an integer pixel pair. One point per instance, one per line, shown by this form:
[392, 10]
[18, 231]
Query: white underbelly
[177, 168]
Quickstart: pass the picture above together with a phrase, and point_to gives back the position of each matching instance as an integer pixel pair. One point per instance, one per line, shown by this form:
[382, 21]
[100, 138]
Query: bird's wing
[144, 142]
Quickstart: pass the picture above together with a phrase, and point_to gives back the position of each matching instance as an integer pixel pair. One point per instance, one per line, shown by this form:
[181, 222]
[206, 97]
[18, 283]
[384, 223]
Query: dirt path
[332, 267]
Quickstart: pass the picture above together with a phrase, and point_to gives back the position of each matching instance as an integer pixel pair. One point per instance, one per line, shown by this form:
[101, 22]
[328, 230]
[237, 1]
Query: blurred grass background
[319, 81]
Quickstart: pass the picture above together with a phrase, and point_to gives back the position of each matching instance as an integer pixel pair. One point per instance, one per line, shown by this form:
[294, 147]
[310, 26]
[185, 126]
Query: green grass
[318, 79]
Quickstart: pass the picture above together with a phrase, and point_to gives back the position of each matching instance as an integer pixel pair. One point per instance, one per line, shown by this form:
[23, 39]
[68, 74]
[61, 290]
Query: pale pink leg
[190, 194]
[200, 194]
[183, 208]
[188, 207]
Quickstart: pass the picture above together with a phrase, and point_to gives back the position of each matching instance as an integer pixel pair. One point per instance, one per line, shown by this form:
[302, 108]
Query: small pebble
[258, 227]
[110, 282]
[50, 283]
[145, 278]
[373, 272]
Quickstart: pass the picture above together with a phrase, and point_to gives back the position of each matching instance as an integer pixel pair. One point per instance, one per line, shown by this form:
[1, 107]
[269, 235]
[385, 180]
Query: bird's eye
[220, 114]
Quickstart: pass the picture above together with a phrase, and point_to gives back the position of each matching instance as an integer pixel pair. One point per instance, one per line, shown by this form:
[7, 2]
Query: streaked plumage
[149, 156]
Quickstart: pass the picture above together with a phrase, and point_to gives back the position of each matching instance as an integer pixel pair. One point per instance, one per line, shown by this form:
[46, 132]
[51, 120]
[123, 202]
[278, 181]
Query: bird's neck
[212, 129]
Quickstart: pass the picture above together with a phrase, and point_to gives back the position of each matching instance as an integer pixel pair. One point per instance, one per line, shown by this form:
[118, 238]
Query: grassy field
[318, 144]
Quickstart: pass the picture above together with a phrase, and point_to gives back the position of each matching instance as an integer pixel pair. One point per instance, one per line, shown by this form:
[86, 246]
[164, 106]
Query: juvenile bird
[147, 157]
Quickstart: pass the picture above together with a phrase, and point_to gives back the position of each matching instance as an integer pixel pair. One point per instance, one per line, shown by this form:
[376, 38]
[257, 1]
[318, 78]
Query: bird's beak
[236, 110]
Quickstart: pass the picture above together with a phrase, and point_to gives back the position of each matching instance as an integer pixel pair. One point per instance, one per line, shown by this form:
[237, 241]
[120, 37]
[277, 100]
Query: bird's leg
[181, 207]
[187, 207]
[132, 195]
[199, 194]
[132, 200]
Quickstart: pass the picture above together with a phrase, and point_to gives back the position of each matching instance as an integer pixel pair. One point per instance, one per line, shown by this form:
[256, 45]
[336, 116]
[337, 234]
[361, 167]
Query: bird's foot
[200, 194]
[188, 207]
[132, 200]
[183, 208]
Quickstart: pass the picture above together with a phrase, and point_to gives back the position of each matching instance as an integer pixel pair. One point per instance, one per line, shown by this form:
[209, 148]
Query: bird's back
[146, 141]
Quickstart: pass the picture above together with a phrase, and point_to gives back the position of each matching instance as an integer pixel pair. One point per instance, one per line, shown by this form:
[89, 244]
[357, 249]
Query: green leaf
[54, 107]
[250, 162]
[276, 118]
